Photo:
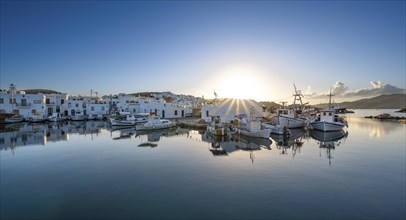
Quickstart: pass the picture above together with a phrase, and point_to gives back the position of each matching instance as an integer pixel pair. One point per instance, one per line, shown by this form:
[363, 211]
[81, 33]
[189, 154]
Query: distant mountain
[272, 106]
[43, 91]
[394, 101]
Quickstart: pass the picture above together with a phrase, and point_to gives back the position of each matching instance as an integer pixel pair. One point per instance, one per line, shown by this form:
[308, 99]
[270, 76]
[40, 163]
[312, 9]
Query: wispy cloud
[339, 89]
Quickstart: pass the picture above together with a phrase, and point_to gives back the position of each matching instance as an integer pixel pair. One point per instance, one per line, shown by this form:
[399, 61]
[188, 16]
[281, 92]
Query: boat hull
[290, 122]
[13, 120]
[327, 126]
[264, 133]
[155, 127]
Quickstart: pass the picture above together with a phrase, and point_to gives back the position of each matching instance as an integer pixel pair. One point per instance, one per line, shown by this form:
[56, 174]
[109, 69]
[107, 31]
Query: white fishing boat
[291, 116]
[130, 120]
[14, 119]
[287, 117]
[155, 123]
[251, 127]
[56, 117]
[36, 117]
[327, 120]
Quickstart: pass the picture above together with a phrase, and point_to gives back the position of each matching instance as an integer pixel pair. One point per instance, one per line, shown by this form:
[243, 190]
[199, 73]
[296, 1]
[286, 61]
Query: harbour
[89, 170]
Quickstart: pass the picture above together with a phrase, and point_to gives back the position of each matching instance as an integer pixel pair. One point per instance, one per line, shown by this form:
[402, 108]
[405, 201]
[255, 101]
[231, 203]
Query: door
[183, 113]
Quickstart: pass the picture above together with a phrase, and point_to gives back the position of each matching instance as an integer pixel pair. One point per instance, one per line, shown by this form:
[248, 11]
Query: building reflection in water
[24, 134]
[329, 140]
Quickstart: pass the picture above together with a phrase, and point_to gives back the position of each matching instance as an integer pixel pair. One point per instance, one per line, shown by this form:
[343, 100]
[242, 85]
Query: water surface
[89, 171]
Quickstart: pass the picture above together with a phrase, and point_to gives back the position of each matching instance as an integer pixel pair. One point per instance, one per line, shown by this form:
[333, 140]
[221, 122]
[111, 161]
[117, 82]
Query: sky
[238, 49]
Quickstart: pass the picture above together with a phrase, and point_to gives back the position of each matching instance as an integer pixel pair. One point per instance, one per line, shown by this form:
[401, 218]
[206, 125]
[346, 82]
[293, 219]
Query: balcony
[23, 105]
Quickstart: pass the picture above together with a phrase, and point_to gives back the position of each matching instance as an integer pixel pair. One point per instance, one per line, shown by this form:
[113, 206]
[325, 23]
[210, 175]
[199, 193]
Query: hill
[272, 106]
[394, 101]
[43, 91]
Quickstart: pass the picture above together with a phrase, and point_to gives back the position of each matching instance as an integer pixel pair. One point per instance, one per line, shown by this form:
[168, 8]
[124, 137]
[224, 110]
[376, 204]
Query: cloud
[339, 89]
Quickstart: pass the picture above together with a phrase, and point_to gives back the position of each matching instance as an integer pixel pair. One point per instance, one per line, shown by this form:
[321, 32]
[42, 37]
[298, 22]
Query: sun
[239, 82]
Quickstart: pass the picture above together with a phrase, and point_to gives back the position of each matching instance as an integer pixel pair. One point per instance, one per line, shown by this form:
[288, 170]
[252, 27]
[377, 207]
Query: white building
[21, 103]
[229, 108]
[53, 102]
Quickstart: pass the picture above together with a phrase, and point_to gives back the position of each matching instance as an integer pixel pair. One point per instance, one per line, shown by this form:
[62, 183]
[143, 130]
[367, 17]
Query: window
[1, 101]
[207, 113]
[77, 105]
[62, 101]
[92, 108]
[324, 114]
[23, 102]
[102, 108]
[329, 114]
[47, 101]
[176, 112]
[12, 100]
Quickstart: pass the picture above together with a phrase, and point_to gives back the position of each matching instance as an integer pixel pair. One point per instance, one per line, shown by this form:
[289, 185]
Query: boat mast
[329, 100]
[298, 96]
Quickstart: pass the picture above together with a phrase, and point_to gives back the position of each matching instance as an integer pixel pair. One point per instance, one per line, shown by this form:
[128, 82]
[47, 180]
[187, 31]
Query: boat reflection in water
[153, 136]
[25, 134]
[329, 140]
[293, 140]
[225, 145]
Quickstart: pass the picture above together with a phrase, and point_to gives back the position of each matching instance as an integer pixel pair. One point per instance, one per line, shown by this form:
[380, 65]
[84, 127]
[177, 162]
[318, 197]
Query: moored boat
[55, 117]
[251, 127]
[130, 120]
[155, 123]
[36, 117]
[327, 120]
[14, 119]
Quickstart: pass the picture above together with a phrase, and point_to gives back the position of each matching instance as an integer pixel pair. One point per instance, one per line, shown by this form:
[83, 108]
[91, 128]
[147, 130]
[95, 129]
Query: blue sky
[248, 49]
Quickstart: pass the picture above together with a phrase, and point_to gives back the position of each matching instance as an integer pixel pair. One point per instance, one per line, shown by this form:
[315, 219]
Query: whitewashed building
[21, 103]
[54, 102]
[229, 108]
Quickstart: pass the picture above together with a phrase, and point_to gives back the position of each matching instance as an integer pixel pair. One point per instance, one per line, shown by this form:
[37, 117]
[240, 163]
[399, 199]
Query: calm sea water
[88, 171]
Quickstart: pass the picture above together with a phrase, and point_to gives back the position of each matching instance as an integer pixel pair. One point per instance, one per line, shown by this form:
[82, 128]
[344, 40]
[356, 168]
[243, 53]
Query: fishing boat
[155, 123]
[291, 116]
[55, 117]
[36, 117]
[328, 120]
[251, 127]
[130, 120]
[14, 119]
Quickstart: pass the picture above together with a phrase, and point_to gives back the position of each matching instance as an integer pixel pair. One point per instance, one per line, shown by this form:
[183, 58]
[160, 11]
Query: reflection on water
[87, 170]
[223, 146]
[329, 140]
[294, 141]
[25, 134]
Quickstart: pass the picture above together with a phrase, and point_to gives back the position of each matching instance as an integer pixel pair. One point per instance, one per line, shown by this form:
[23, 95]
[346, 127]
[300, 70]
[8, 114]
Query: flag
[215, 94]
